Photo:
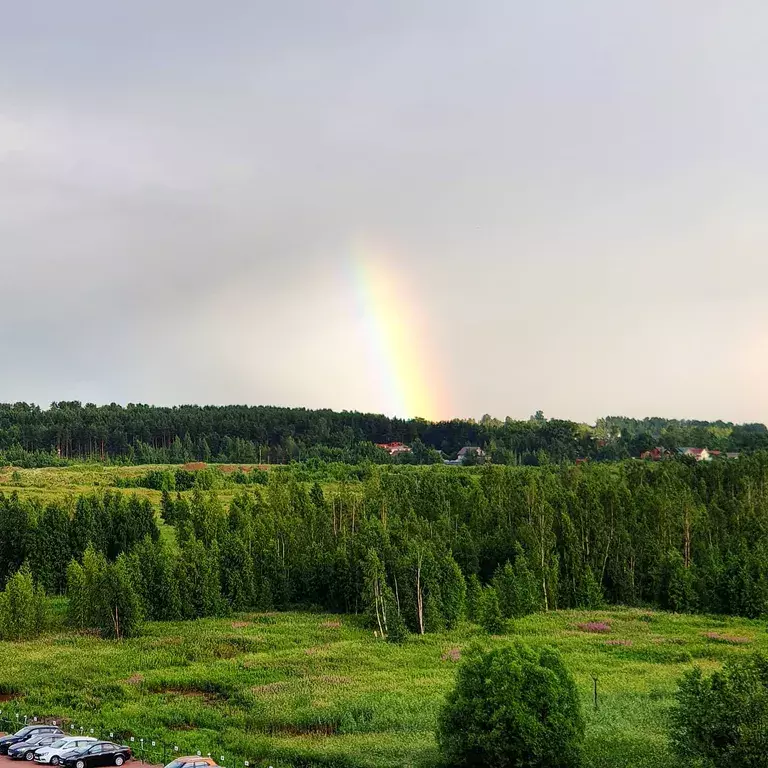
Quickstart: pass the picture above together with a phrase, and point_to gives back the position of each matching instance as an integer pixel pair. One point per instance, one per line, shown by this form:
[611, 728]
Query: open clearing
[317, 689]
[48, 484]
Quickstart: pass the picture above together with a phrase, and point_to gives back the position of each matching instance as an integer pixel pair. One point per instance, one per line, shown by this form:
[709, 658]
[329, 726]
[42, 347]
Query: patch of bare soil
[9, 696]
[192, 693]
[453, 655]
[717, 637]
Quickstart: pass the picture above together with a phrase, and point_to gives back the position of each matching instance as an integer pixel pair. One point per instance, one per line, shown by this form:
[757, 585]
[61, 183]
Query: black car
[98, 754]
[25, 750]
[25, 733]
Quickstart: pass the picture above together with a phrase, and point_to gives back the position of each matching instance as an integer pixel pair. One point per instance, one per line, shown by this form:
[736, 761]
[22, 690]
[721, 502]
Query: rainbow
[396, 332]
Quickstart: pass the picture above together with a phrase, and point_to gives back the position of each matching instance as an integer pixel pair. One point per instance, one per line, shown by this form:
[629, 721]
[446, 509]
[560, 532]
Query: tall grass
[300, 689]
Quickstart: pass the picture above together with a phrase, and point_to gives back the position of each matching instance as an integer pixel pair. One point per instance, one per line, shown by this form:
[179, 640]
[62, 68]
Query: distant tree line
[423, 547]
[143, 434]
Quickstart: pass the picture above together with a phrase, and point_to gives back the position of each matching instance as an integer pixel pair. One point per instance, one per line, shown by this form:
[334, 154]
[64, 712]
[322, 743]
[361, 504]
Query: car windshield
[176, 764]
[59, 743]
[23, 731]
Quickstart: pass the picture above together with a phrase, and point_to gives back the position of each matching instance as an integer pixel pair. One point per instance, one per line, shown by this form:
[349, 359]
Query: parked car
[53, 754]
[22, 735]
[25, 750]
[98, 754]
[194, 761]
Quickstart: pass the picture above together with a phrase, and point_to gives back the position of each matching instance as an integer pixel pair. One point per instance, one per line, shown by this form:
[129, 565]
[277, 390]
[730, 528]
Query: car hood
[10, 739]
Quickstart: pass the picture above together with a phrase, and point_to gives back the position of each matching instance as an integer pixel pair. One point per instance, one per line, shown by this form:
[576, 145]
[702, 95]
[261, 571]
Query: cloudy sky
[567, 201]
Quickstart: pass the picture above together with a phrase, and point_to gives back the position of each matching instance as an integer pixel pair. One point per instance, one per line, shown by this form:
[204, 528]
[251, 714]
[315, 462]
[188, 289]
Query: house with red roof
[656, 454]
[393, 449]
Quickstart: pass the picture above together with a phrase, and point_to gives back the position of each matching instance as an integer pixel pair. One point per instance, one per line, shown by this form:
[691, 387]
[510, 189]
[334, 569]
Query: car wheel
[119, 760]
[29, 756]
[55, 760]
[80, 764]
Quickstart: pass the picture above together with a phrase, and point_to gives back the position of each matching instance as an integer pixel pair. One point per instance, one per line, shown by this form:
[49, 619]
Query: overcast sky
[572, 197]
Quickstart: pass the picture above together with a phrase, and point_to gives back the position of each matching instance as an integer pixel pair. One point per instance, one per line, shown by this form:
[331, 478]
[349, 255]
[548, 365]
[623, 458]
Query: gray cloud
[572, 193]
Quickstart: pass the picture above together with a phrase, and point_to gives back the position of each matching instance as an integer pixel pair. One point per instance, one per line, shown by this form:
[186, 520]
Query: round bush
[512, 707]
[720, 721]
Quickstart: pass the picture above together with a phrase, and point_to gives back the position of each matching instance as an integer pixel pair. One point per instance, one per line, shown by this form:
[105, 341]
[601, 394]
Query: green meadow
[49, 484]
[301, 689]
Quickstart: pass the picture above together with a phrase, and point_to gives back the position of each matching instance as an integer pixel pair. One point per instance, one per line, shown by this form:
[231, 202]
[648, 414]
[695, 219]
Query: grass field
[49, 484]
[312, 689]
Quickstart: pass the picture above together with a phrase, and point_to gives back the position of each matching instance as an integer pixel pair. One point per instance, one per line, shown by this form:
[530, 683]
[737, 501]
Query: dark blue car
[25, 733]
[25, 750]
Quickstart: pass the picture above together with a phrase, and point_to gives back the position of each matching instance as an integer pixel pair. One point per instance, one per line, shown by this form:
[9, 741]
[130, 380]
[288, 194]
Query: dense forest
[682, 536]
[143, 434]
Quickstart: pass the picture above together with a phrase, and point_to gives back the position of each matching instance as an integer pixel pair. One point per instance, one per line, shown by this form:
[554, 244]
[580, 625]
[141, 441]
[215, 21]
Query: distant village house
[393, 449]
[467, 452]
[700, 454]
[656, 454]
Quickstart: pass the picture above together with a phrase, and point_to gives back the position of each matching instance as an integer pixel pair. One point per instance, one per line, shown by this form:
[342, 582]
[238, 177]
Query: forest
[676, 535]
[141, 434]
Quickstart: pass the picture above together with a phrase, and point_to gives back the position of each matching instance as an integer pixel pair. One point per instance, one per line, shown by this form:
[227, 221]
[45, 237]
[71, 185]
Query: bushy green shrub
[721, 720]
[512, 706]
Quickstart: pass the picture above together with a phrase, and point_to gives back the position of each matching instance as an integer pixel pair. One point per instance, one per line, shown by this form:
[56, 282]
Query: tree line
[143, 434]
[417, 549]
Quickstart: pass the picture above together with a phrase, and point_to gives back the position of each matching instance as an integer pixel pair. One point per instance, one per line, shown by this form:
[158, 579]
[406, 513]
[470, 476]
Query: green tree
[15, 534]
[454, 592]
[375, 592]
[125, 613]
[94, 599]
[512, 706]
[489, 612]
[474, 593]
[51, 548]
[104, 596]
[77, 611]
[237, 572]
[178, 455]
[527, 591]
[678, 584]
[719, 721]
[590, 592]
[397, 631]
[22, 607]
[504, 584]
[154, 574]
